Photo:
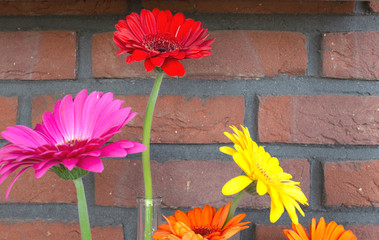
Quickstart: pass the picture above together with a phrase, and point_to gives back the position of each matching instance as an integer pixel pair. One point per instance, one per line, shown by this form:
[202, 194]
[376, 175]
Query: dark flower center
[203, 231]
[162, 42]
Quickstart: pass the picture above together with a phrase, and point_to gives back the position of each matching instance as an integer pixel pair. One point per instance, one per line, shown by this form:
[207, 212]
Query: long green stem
[85, 229]
[146, 155]
[234, 205]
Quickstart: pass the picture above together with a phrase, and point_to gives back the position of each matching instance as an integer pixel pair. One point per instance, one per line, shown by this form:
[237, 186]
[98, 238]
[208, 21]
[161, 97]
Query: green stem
[234, 205]
[146, 154]
[85, 229]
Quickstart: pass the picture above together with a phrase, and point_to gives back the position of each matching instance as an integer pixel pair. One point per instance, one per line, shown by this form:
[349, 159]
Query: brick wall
[301, 75]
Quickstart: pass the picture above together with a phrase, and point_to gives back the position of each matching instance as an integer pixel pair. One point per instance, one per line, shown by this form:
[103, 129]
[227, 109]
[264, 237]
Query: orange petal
[338, 231]
[348, 235]
[182, 217]
[329, 229]
[223, 216]
[313, 229]
[320, 229]
[206, 216]
[301, 231]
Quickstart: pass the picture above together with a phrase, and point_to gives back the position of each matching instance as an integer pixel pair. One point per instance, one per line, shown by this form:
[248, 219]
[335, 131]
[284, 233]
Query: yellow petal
[236, 185]
[242, 162]
[261, 188]
[227, 150]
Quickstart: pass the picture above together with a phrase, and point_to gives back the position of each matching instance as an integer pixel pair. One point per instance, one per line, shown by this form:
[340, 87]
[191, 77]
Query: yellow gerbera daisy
[259, 166]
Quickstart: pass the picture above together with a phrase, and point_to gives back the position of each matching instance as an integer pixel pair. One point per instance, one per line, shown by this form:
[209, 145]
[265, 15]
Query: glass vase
[148, 208]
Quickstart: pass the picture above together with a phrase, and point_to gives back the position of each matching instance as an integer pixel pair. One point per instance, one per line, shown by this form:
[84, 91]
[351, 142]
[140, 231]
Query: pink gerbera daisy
[72, 136]
[161, 39]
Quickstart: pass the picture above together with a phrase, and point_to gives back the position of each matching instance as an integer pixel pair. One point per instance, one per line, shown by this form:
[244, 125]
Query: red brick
[107, 64]
[268, 232]
[41, 230]
[351, 55]
[176, 119]
[8, 110]
[38, 55]
[352, 183]
[66, 7]
[252, 6]
[374, 5]
[366, 232]
[319, 119]
[181, 182]
[48, 189]
[264, 54]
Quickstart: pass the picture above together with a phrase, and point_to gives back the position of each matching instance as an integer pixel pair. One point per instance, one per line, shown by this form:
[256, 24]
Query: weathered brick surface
[176, 119]
[182, 183]
[8, 111]
[268, 232]
[365, 232]
[374, 5]
[38, 55]
[252, 6]
[66, 7]
[41, 230]
[319, 119]
[351, 55]
[236, 55]
[48, 189]
[352, 183]
[107, 64]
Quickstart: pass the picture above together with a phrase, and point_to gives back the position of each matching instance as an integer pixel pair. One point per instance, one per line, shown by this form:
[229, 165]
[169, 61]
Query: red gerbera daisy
[161, 39]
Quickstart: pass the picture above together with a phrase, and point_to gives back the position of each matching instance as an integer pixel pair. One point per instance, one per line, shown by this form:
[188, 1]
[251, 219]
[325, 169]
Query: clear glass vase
[148, 208]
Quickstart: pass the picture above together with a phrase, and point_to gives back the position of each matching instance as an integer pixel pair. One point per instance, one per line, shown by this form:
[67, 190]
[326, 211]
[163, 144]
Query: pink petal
[92, 164]
[67, 117]
[70, 163]
[22, 135]
[14, 180]
[41, 171]
[79, 101]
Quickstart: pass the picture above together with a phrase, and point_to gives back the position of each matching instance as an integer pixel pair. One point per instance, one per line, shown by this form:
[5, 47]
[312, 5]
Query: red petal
[177, 21]
[148, 22]
[157, 61]
[139, 55]
[173, 68]
[149, 66]
[161, 22]
[184, 29]
[129, 59]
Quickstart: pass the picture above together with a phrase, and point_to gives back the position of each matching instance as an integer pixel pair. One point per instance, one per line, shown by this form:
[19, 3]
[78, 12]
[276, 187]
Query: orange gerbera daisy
[321, 231]
[199, 224]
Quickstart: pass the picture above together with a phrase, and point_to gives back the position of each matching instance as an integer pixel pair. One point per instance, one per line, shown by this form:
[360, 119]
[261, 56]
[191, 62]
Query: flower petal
[173, 68]
[236, 185]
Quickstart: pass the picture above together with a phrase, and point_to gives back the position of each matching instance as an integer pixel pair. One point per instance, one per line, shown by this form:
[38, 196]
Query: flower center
[203, 231]
[264, 173]
[162, 42]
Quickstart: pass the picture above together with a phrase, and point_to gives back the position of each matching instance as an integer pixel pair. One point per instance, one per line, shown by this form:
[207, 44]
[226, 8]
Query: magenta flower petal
[72, 136]
[14, 180]
[92, 164]
[70, 163]
[122, 148]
